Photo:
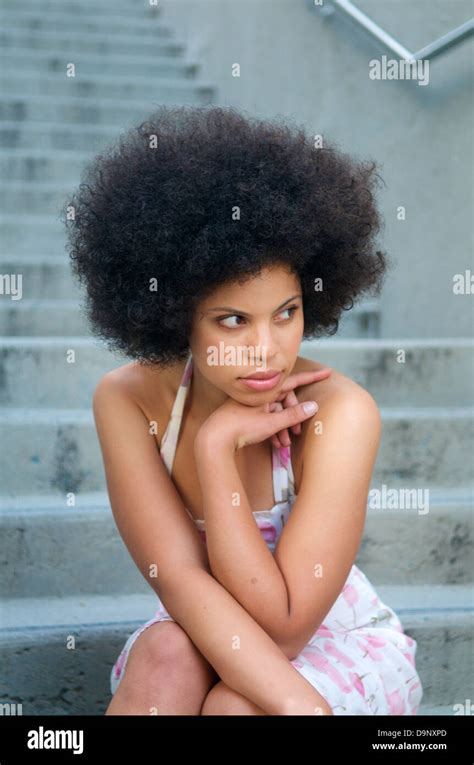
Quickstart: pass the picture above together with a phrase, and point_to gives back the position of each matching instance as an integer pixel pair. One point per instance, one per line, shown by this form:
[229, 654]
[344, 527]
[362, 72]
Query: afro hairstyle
[198, 196]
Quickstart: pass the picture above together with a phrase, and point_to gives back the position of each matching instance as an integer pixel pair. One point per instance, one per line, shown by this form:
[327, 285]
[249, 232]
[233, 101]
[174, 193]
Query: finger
[269, 424]
[282, 438]
[274, 406]
[276, 438]
[304, 378]
[294, 414]
[291, 400]
[276, 441]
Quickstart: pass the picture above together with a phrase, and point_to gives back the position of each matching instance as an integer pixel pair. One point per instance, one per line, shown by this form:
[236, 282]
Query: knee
[222, 700]
[163, 649]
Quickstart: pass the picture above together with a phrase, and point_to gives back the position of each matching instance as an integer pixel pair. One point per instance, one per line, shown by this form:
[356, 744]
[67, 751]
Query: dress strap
[169, 441]
[283, 478]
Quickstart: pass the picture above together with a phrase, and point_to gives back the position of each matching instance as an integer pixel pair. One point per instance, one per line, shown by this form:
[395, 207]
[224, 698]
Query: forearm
[238, 555]
[241, 652]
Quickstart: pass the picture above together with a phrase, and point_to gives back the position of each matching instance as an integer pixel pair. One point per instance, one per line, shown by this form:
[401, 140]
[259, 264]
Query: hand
[287, 397]
[236, 425]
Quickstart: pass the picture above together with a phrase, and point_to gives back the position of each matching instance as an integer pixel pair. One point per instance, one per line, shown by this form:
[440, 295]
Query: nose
[263, 343]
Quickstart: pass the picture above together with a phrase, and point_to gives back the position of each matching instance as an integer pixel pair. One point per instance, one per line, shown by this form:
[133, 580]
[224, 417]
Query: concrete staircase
[70, 592]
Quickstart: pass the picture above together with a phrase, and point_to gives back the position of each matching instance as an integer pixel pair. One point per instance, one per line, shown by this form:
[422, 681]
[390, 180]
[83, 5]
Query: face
[244, 329]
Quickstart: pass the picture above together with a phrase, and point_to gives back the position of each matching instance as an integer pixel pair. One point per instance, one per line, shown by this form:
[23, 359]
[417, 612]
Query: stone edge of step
[31, 616]
[97, 503]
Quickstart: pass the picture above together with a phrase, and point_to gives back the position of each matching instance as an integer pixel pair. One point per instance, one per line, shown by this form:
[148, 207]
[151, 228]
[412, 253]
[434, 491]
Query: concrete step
[22, 59]
[362, 321]
[399, 371]
[37, 165]
[37, 197]
[43, 317]
[432, 544]
[51, 548]
[46, 136]
[58, 652]
[56, 450]
[78, 8]
[25, 362]
[41, 277]
[43, 22]
[448, 710]
[105, 86]
[85, 109]
[39, 233]
[63, 41]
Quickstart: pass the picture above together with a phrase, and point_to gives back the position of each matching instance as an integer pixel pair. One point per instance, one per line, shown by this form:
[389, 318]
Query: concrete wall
[297, 62]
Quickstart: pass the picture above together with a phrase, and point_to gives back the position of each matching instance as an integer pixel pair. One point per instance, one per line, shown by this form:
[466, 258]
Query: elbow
[287, 644]
[290, 651]
[291, 645]
[296, 638]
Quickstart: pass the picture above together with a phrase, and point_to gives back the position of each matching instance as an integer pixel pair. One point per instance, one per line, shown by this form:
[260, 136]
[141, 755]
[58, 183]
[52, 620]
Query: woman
[210, 245]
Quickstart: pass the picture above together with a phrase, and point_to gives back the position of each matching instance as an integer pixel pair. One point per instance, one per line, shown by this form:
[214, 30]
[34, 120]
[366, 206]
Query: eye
[291, 309]
[226, 318]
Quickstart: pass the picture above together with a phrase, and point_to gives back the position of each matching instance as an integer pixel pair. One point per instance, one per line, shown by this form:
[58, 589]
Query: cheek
[204, 339]
[296, 333]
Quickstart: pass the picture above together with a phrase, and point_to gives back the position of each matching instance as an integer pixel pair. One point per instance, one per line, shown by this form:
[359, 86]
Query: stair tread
[343, 344]
[108, 129]
[99, 502]
[41, 414]
[111, 79]
[116, 609]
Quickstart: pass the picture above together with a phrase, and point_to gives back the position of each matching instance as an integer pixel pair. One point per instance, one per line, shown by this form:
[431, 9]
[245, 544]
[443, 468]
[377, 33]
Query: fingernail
[310, 407]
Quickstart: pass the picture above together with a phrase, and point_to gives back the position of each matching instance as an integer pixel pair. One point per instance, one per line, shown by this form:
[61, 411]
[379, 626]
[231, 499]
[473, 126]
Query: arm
[320, 540]
[241, 652]
[238, 555]
[290, 592]
[149, 513]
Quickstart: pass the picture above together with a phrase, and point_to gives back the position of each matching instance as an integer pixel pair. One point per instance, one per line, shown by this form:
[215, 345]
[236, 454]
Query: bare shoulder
[334, 395]
[132, 379]
[337, 393]
[339, 399]
[149, 388]
[334, 391]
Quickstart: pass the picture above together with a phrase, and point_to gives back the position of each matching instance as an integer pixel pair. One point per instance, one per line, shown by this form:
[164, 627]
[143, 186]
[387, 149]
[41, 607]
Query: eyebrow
[242, 313]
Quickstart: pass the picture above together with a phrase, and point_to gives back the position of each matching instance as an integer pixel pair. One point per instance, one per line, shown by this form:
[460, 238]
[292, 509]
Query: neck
[203, 397]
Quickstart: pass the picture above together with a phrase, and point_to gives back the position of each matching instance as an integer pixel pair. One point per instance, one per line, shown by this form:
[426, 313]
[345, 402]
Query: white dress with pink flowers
[360, 659]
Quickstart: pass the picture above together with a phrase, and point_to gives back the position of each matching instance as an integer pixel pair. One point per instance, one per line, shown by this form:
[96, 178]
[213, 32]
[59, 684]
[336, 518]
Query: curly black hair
[155, 231]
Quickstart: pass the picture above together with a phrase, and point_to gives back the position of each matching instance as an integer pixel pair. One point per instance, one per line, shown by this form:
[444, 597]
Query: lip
[263, 375]
[261, 384]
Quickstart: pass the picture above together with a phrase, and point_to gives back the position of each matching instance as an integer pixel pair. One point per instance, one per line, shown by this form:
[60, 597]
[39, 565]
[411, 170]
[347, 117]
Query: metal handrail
[441, 45]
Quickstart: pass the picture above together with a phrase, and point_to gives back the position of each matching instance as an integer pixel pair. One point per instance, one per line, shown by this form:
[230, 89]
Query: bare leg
[222, 700]
[165, 674]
